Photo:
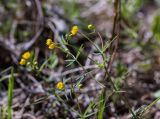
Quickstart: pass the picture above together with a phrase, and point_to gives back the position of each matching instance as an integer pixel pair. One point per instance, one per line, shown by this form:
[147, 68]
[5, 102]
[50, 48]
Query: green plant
[156, 27]
[10, 94]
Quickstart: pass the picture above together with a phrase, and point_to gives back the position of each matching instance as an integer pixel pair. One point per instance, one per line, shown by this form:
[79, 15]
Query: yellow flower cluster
[51, 45]
[25, 57]
[60, 85]
[74, 30]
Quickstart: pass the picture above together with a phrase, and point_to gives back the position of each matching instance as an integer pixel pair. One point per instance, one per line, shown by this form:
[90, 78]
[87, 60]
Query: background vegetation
[107, 67]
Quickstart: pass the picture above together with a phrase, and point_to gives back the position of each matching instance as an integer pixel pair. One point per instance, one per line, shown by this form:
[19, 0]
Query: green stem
[150, 105]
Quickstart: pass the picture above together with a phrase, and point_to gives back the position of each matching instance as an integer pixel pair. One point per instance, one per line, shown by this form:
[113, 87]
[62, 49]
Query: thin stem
[116, 25]
[150, 105]
[90, 41]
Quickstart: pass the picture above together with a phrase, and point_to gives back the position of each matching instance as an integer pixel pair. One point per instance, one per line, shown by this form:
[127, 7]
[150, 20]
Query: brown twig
[115, 31]
[69, 71]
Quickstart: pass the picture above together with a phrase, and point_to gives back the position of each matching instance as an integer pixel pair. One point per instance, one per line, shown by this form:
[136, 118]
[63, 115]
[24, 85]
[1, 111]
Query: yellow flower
[26, 55]
[74, 30]
[22, 62]
[51, 46]
[60, 85]
[49, 41]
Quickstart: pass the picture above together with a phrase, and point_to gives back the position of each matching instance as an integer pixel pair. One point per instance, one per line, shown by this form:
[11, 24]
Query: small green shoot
[10, 93]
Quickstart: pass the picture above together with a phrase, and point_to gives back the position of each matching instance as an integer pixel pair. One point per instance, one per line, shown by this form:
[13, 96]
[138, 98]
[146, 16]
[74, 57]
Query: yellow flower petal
[26, 55]
[74, 30]
[22, 62]
[60, 85]
[49, 41]
[51, 46]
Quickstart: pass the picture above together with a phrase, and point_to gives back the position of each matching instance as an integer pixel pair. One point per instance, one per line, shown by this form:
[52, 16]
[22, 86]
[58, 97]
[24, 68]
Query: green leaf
[79, 82]
[156, 27]
[79, 51]
[87, 110]
[101, 106]
[10, 93]
[53, 61]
